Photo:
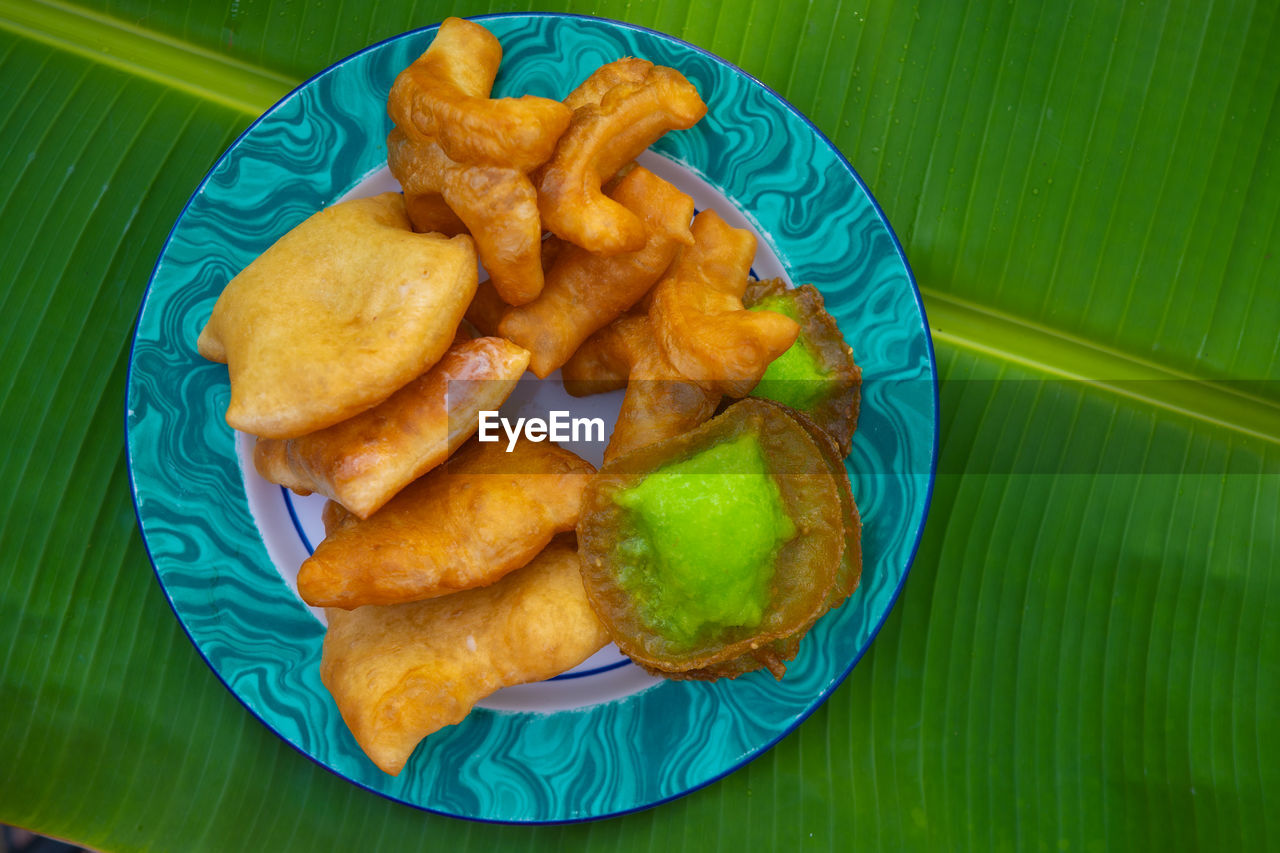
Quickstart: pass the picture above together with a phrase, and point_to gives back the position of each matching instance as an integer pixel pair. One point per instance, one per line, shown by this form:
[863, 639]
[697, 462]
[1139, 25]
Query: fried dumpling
[364, 461]
[465, 524]
[401, 672]
[337, 315]
[712, 553]
[817, 374]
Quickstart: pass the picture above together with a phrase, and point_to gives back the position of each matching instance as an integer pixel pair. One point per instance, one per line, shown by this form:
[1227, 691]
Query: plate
[224, 546]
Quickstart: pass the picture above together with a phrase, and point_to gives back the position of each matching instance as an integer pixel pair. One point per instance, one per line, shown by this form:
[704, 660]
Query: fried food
[817, 375]
[428, 212]
[659, 403]
[699, 317]
[850, 570]
[585, 292]
[402, 672]
[362, 462]
[444, 95]
[498, 206]
[618, 112]
[710, 554]
[486, 309]
[774, 655]
[337, 315]
[465, 524]
[455, 149]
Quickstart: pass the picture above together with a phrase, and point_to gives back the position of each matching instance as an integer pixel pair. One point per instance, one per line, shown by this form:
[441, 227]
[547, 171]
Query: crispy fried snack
[428, 212]
[774, 655]
[465, 524]
[585, 292]
[400, 673]
[454, 149]
[699, 319]
[618, 112]
[487, 307]
[659, 403]
[333, 318]
[712, 553]
[817, 375]
[362, 462]
[498, 206]
[444, 95]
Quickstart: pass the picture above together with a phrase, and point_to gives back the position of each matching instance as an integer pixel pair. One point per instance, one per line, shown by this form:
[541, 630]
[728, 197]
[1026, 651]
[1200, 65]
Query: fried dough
[362, 462]
[465, 524]
[456, 149]
[833, 394]
[337, 315]
[444, 95]
[619, 111]
[401, 672]
[585, 292]
[699, 318]
[660, 403]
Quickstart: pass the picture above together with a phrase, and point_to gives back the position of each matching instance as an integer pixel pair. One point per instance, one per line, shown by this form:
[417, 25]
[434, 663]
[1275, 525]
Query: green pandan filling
[705, 532]
[795, 378]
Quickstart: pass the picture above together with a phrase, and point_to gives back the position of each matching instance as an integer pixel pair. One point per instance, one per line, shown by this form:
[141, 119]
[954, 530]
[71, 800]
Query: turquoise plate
[225, 546]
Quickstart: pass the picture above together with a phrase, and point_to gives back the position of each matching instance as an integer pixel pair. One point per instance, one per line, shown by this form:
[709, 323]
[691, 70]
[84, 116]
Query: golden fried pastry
[711, 553]
[486, 309]
[337, 315]
[629, 69]
[602, 363]
[699, 318]
[498, 206]
[362, 462]
[660, 403]
[619, 111]
[465, 524]
[428, 212]
[454, 148]
[401, 672]
[817, 375]
[585, 292]
[444, 95]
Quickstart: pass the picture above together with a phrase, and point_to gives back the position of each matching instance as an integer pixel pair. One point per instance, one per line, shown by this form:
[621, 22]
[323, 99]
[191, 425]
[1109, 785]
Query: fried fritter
[467, 523]
[337, 315]
[399, 673]
[585, 292]
[699, 318]
[362, 462]
[710, 554]
[817, 375]
[618, 112]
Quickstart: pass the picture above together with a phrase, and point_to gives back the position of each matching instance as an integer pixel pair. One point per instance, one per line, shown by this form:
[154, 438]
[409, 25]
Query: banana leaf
[1086, 654]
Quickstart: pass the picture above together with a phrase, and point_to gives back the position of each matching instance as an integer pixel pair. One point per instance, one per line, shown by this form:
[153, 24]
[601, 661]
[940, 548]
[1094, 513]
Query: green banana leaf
[1086, 655]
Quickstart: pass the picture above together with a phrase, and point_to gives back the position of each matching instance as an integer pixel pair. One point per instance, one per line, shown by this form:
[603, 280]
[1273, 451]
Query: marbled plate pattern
[306, 152]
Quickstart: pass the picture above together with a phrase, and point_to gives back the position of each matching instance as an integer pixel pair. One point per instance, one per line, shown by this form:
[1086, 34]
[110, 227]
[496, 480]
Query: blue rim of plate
[317, 142]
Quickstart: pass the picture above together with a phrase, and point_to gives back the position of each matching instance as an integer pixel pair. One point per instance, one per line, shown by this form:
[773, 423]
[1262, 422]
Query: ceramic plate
[604, 739]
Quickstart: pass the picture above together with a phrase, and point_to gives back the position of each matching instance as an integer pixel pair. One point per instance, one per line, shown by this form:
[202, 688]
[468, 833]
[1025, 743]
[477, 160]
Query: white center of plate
[291, 528]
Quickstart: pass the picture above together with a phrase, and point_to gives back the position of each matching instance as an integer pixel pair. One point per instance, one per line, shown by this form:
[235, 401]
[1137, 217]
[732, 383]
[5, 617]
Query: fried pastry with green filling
[817, 374]
[711, 554]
